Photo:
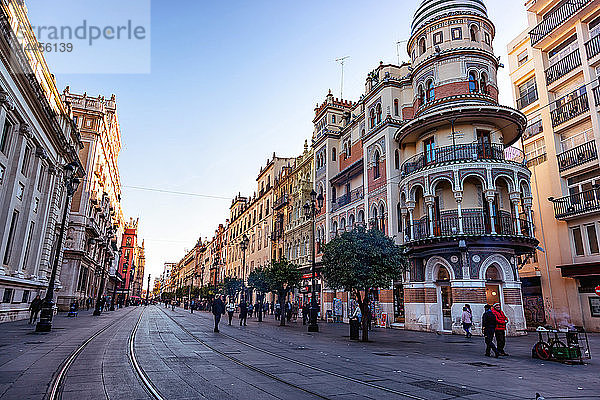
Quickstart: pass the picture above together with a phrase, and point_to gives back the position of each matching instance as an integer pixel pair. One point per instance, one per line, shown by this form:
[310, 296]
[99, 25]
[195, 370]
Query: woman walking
[243, 312]
[467, 320]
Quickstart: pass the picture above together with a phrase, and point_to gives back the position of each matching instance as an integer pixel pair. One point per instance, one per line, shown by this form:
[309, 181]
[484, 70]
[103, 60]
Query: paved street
[183, 359]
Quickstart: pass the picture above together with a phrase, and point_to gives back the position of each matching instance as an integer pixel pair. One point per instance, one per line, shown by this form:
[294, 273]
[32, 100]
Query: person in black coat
[243, 312]
[218, 309]
[488, 322]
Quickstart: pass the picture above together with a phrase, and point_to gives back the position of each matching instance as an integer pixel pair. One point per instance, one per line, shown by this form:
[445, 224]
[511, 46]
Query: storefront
[588, 278]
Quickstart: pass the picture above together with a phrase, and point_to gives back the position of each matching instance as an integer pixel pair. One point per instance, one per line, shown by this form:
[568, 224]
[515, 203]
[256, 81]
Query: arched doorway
[493, 283]
[445, 297]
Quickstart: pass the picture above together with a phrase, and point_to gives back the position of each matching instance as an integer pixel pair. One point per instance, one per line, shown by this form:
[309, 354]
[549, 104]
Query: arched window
[399, 215]
[483, 83]
[361, 216]
[422, 47]
[421, 95]
[351, 220]
[335, 228]
[376, 172]
[397, 159]
[396, 107]
[343, 225]
[379, 113]
[473, 87]
[473, 31]
[430, 91]
[333, 194]
[381, 218]
[374, 219]
[372, 117]
[333, 155]
[492, 274]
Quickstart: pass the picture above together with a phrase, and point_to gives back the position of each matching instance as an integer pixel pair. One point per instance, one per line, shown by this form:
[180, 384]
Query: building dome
[430, 9]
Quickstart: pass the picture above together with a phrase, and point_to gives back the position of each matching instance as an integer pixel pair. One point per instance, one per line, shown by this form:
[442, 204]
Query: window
[592, 238]
[422, 46]
[11, 236]
[473, 30]
[26, 158]
[483, 84]
[372, 117]
[361, 216]
[527, 93]
[522, 58]
[421, 95]
[535, 148]
[128, 241]
[487, 39]
[397, 159]
[594, 28]
[25, 298]
[2, 172]
[430, 91]
[456, 33]
[473, 87]
[379, 113]
[376, 172]
[333, 155]
[28, 245]
[562, 50]
[333, 194]
[5, 137]
[8, 295]
[438, 37]
[351, 220]
[577, 241]
[595, 306]
[429, 145]
[396, 107]
[40, 185]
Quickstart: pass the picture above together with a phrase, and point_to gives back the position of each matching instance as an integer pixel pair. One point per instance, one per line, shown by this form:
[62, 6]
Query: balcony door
[484, 145]
[429, 145]
[487, 218]
[437, 216]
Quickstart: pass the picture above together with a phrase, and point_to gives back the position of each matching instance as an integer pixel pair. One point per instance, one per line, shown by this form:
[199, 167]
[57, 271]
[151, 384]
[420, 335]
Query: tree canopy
[282, 277]
[259, 280]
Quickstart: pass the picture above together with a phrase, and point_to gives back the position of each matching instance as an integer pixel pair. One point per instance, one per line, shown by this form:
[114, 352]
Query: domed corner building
[465, 197]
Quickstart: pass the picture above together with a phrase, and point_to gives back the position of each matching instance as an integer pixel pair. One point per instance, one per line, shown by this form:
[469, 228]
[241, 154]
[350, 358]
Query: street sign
[598, 290]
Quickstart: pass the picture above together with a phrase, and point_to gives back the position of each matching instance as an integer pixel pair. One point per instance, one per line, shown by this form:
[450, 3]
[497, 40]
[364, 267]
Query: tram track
[291, 360]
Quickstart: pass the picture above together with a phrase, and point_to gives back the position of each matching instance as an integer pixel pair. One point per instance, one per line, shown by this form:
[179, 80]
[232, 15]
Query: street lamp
[71, 182]
[148, 292]
[244, 246]
[311, 208]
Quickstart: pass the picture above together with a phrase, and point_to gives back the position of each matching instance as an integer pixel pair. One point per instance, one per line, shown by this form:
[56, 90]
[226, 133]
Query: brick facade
[512, 297]
[469, 295]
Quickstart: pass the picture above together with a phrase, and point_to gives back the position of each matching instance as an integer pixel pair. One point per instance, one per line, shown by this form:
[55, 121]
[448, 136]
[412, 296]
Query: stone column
[459, 196]
[490, 197]
[411, 211]
[402, 224]
[429, 201]
[515, 197]
[527, 204]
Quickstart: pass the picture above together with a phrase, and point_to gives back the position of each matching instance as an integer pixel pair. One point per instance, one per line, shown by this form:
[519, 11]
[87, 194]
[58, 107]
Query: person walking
[218, 309]
[34, 309]
[501, 322]
[250, 310]
[304, 313]
[467, 320]
[488, 322]
[277, 311]
[230, 310]
[243, 312]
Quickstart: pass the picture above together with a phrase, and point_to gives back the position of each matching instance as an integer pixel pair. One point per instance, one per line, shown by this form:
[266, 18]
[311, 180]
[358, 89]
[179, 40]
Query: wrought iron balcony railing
[596, 92]
[577, 204]
[563, 67]
[570, 110]
[529, 97]
[475, 223]
[555, 18]
[281, 201]
[592, 47]
[354, 195]
[577, 156]
[463, 152]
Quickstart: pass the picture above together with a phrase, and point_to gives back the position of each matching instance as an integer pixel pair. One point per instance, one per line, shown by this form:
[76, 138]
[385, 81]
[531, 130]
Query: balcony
[563, 67]
[577, 156]
[281, 202]
[596, 92]
[529, 97]
[576, 204]
[462, 152]
[354, 195]
[592, 47]
[533, 129]
[570, 110]
[475, 223]
[555, 18]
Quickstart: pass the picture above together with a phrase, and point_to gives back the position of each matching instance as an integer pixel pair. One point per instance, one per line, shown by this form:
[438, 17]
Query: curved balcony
[462, 152]
[475, 222]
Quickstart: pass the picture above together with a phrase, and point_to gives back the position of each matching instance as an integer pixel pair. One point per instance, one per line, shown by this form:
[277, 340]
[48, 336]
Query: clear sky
[231, 83]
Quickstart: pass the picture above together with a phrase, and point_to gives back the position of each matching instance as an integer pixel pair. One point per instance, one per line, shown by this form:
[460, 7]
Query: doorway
[399, 314]
[445, 298]
[493, 280]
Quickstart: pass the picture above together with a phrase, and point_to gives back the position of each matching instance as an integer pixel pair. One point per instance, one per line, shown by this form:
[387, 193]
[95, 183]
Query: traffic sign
[598, 290]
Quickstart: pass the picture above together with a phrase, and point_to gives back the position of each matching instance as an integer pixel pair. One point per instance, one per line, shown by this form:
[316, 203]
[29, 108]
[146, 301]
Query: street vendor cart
[569, 346]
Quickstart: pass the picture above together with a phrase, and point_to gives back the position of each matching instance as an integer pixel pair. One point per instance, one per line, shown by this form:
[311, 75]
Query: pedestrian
[467, 320]
[34, 309]
[265, 309]
[272, 307]
[488, 322]
[250, 309]
[218, 309]
[277, 311]
[304, 313]
[243, 312]
[501, 322]
[230, 310]
[288, 311]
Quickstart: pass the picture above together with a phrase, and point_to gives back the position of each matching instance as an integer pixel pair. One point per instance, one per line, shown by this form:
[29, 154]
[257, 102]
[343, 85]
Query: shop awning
[580, 270]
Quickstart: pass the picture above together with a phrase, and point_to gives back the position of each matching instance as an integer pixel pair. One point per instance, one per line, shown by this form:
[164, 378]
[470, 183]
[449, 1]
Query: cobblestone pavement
[183, 359]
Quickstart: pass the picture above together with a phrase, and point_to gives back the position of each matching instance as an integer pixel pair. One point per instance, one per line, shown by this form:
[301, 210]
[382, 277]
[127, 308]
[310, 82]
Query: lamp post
[71, 183]
[148, 292]
[97, 309]
[311, 208]
[244, 246]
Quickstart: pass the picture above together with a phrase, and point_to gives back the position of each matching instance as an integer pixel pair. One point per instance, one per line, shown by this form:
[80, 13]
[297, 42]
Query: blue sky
[231, 83]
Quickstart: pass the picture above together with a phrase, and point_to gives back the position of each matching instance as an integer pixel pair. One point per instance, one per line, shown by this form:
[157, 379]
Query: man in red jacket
[501, 322]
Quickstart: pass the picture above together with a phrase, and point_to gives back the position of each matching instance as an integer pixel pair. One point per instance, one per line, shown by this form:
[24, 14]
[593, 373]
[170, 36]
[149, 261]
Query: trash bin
[354, 327]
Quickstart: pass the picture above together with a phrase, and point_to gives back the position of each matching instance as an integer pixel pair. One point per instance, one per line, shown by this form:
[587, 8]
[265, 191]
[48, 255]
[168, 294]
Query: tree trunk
[366, 314]
[282, 296]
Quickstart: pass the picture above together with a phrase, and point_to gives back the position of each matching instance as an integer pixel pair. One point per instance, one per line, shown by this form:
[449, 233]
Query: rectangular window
[594, 28]
[592, 238]
[40, 184]
[456, 33]
[535, 148]
[20, 191]
[11, 236]
[522, 58]
[36, 205]
[25, 298]
[438, 37]
[577, 241]
[562, 50]
[28, 245]
[26, 158]
[8, 295]
[429, 145]
[487, 39]
[5, 137]
[595, 306]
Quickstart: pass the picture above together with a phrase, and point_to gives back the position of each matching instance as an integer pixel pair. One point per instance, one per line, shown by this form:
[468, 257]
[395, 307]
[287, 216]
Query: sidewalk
[29, 360]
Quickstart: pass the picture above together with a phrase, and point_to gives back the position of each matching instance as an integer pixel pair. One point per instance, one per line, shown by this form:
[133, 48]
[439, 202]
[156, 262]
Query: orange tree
[360, 260]
[282, 277]
[259, 280]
